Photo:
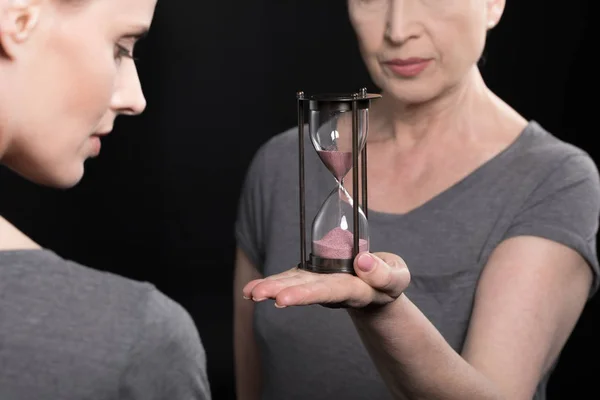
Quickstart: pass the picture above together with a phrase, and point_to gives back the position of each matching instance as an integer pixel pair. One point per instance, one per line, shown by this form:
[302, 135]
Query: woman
[66, 331]
[495, 220]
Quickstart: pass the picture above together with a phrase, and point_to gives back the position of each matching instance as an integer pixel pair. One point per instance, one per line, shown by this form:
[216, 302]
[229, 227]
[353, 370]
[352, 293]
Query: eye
[372, 4]
[123, 52]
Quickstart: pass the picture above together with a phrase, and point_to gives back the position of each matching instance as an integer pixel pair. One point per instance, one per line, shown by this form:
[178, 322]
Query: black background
[220, 79]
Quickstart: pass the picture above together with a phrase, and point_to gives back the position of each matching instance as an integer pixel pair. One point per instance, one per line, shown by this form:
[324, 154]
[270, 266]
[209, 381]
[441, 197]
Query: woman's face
[66, 72]
[415, 50]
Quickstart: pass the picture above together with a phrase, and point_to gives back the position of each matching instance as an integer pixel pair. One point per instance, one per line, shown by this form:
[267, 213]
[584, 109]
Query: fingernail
[278, 306]
[259, 299]
[366, 263]
[245, 297]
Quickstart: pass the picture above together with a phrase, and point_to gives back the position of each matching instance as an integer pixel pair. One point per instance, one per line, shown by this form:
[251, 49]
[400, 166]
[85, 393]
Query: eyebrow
[137, 33]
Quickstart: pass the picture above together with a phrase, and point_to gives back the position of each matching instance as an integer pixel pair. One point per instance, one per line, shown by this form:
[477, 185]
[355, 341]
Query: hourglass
[338, 127]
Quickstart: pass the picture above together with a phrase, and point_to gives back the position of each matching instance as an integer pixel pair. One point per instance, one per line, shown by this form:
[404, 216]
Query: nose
[402, 21]
[128, 97]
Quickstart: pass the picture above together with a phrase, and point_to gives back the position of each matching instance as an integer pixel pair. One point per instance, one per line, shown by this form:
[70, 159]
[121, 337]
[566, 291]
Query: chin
[65, 181]
[410, 97]
[412, 92]
[64, 178]
[418, 90]
[57, 170]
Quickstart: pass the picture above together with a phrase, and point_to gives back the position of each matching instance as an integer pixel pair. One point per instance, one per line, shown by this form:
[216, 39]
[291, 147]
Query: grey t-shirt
[72, 333]
[538, 186]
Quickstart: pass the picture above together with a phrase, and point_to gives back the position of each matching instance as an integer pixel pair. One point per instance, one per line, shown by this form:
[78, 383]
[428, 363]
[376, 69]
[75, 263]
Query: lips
[407, 61]
[407, 67]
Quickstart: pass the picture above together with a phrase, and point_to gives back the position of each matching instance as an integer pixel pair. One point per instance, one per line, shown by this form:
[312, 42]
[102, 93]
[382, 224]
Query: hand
[381, 278]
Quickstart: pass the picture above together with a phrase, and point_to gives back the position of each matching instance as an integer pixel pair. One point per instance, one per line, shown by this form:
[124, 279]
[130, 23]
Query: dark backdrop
[220, 79]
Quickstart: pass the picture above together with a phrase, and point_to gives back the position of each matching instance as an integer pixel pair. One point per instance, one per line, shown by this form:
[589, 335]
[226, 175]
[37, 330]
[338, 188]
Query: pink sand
[337, 244]
[338, 162]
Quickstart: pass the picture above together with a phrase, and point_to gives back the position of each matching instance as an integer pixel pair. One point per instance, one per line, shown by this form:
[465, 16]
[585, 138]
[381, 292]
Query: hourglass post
[355, 204]
[363, 158]
[363, 171]
[338, 126]
[300, 100]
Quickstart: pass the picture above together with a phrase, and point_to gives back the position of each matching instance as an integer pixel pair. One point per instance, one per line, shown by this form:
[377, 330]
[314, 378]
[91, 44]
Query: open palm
[380, 279]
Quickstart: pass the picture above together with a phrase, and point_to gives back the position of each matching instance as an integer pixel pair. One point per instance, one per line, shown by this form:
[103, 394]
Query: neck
[456, 110]
[10, 85]
[13, 239]
[3, 121]
[3, 145]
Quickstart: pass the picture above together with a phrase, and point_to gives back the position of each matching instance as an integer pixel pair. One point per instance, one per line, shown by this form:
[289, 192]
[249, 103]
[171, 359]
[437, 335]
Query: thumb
[385, 272]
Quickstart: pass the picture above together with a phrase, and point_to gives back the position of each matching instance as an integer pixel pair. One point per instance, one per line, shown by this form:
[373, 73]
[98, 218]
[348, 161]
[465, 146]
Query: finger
[385, 272]
[339, 289]
[391, 259]
[286, 274]
[248, 289]
[270, 288]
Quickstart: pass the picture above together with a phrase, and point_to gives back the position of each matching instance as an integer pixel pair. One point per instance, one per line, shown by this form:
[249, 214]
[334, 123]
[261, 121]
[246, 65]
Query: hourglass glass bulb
[333, 228]
[338, 244]
[338, 162]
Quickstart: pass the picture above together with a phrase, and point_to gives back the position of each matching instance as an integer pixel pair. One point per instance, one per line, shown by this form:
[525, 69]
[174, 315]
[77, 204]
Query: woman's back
[70, 332]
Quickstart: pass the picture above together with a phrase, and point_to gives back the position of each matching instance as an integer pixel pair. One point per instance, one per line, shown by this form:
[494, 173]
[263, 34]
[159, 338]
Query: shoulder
[545, 149]
[274, 166]
[157, 315]
[132, 324]
[42, 272]
[109, 308]
[285, 142]
[167, 360]
[542, 160]
[279, 151]
[168, 333]
[558, 189]
[169, 320]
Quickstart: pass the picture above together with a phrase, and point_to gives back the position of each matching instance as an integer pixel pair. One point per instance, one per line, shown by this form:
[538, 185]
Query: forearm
[414, 359]
[248, 377]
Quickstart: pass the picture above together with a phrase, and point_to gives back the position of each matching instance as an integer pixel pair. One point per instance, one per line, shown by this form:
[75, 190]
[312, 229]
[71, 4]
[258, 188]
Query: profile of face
[416, 50]
[66, 72]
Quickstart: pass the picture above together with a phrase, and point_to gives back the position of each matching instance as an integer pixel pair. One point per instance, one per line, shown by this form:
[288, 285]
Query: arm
[529, 298]
[247, 363]
[167, 361]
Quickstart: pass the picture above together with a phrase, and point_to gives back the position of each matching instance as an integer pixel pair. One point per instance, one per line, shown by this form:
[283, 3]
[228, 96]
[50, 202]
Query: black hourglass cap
[341, 102]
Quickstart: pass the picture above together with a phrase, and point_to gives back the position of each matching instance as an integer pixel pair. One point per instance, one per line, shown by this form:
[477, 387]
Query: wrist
[376, 311]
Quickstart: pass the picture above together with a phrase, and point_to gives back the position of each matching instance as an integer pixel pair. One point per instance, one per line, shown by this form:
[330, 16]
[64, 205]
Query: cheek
[91, 72]
[370, 34]
[79, 68]
[370, 38]
[465, 29]
[459, 40]
[369, 29]
[69, 88]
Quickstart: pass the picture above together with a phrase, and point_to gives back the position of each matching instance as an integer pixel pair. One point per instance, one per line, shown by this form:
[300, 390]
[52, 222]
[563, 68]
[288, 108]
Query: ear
[18, 19]
[495, 9]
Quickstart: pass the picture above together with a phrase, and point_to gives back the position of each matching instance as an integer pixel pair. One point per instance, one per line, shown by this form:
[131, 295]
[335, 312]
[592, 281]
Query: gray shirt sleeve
[167, 362]
[249, 228]
[565, 208]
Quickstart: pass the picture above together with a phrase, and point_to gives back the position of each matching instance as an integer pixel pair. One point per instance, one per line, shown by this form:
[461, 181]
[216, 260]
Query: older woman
[495, 220]
[67, 331]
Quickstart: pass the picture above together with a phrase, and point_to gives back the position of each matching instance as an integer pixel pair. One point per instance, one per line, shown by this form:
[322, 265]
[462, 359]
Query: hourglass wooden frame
[354, 102]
